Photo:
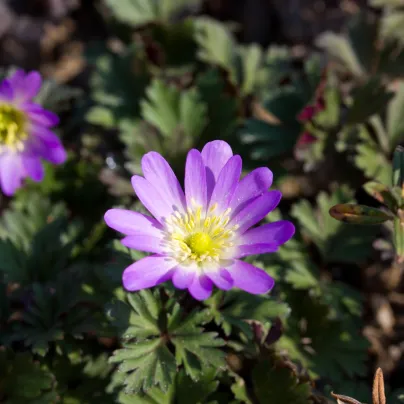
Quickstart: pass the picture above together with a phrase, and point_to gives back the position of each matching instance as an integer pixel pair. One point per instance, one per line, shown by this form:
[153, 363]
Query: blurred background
[51, 35]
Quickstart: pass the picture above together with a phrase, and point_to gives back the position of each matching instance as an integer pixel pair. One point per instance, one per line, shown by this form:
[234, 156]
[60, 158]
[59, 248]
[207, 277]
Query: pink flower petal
[148, 272]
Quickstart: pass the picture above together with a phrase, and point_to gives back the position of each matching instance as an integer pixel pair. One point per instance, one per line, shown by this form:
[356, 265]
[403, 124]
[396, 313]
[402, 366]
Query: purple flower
[25, 135]
[199, 237]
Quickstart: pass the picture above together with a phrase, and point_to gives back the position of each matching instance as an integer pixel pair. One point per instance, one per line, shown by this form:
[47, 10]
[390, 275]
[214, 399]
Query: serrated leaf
[372, 162]
[231, 310]
[148, 363]
[251, 59]
[145, 357]
[169, 110]
[215, 42]
[340, 49]
[23, 380]
[51, 312]
[321, 331]
[26, 216]
[189, 391]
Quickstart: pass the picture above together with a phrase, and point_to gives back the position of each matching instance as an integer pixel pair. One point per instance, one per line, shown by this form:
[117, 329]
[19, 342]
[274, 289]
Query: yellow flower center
[199, 243]
[12, 127]
[199, 237]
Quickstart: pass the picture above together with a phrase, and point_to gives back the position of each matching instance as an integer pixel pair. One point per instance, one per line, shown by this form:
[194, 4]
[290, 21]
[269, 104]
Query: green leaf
[315, 331]
[222, 108]
[361, 109]
[148, 363]
[251, 60]
[140, 12]
[13, 263]
[56, 97]
[395, 111]
[231, 310]
[218, 47]
[150, 327]
[370, 157]
[134, 12]
[340, 49]
[170, 110]
[26, 216]
[392, 24]
[216, 43]
[382, 193]
[358, 214]
[383, 3]
[24, 381]
[335, 240]
[189, 391]
[117, 84]
[356, 50]
[99, 115]
[398, 169]
[52, 312]
[274, 384]
[196, 350]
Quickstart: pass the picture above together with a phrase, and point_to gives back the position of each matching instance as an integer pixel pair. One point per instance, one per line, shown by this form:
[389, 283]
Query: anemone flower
[198, 237]
[25, 135]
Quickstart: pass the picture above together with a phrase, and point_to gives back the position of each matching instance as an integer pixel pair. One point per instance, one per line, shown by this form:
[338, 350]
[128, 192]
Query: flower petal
[132, 223]
[144, 242]
[250, 278]
[195, 179]
[6, 91]
[32, 85]
[226, 184]
[276, 233]
[252, 185]
[159, 173]
[56, 155]
[25, 86]
[255, 249]
[148, 272]
[221, 278]
[45, 135]
[11, 173]
[215, 155]
[33, 167]
[40, 116]
[183, 276]
[201, 287]
[256, 210]
[151, 199]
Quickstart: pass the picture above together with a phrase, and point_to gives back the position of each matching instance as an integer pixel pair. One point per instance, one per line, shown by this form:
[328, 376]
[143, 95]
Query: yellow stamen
[12, 127]
[198, 236]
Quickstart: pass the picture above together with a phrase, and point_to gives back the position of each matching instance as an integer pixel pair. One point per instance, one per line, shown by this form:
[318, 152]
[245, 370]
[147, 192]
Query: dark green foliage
[279, 384]
[23, 381]
[146, 354]
[70, 333]
[335, 241]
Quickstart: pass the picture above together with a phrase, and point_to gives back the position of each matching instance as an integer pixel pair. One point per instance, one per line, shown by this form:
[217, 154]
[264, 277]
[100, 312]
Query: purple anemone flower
[25, 135]
[199, 236]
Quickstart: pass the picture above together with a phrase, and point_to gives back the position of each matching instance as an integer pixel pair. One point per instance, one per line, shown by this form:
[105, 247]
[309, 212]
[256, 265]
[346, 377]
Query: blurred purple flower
[25, 135]
[199, 236]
